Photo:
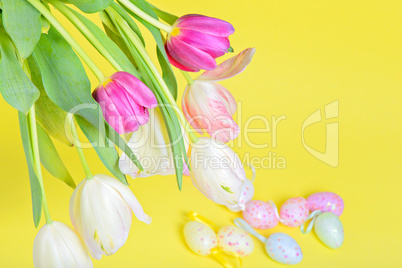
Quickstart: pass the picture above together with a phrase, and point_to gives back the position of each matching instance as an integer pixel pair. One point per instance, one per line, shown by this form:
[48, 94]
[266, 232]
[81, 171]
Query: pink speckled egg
[294, 212]
[247, 194]
[200, 238]
[235, 241]
[260, 215]
[326, 202]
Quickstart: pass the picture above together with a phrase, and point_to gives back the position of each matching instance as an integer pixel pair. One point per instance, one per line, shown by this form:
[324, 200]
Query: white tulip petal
[101, 209]
[57, 245]
[221, 181]
[129, 198]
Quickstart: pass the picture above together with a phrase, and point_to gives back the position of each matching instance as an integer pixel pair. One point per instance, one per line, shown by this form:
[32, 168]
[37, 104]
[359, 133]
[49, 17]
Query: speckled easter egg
[200, 237]
[329, 229]
[283, 248]
[294, 212]
[260, 215]
[247, 194]
[235, 241]
[326, 202]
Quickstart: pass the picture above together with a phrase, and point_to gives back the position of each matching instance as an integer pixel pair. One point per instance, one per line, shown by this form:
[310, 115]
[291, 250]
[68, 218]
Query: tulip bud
[217, 171]
[209, 106]
[124, 100]
[151, 145]
[101, 211]
[57, 245]
[196, 41]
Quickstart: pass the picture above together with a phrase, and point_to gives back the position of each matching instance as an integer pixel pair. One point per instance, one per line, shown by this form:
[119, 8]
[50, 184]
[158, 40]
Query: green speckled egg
[329, 229]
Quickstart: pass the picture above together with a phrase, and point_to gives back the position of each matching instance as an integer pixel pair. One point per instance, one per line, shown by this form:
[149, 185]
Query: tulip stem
[143, 53]
[77, 145]
[160, 25]
[36, 158]
[66, 11]
[67, 36]
[188, 77]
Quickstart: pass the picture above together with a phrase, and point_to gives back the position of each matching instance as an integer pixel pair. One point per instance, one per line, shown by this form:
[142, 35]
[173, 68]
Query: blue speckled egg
[283, 248]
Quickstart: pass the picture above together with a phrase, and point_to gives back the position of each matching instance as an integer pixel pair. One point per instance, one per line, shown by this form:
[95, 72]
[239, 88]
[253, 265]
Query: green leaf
[50, 117]
[36, 193]
[170, 118]
[64, 78]
[169, 18]
[168, 74]
[108, 155]
[51, 160]
[15, 86]
[129, 21]
[114, 137]
[113, 49]
[90, 6]
[23, 23]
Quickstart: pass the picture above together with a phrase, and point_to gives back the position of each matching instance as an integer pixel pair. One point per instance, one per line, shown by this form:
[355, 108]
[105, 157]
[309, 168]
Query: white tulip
[151, 145]
[101, 211]
[217, 171]
[57, 245]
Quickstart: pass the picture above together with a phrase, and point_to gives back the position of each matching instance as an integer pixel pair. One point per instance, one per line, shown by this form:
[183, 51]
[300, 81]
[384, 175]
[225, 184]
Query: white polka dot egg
[235, 241]
[200, 238]
[283, 248]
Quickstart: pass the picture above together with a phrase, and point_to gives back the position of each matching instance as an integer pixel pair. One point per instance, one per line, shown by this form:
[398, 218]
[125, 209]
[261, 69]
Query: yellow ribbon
[194, 216]
[217, 254]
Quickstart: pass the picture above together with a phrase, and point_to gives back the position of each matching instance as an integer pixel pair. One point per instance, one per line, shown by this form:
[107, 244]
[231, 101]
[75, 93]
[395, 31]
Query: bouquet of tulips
[130, 118]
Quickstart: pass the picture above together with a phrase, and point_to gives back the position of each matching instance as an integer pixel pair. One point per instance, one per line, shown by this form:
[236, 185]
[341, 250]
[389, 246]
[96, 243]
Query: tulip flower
[151, 145]
[209, 106]
[196, 41]
[217, 171]
[101, 212]
[57, 245]
[125, 101]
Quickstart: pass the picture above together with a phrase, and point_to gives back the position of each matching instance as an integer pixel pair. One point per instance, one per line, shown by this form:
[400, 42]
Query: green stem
[86, 32]
[188, 77]
[160, 25]
[36, 157]
[77, 145]
[143, 53]
[67, 36]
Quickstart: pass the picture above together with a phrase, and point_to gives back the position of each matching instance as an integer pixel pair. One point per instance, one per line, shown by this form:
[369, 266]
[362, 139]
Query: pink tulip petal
[230, 67]
[178, 65]
[214, 45]
[137, 90]
[206, 25]
[185, 107]
[109, 110]
[132, 115]
[210, 107]
[231, 105]
[189, 56]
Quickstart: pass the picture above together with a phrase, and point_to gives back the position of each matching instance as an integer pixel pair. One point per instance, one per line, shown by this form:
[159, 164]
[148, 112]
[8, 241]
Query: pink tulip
[124, 100]
[208, 106]
[196, 41]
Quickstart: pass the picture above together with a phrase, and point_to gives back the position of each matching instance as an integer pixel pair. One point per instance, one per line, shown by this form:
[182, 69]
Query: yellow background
[309, 53]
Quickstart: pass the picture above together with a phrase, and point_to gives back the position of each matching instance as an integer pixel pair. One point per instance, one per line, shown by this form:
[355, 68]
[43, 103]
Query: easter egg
[294, 212]
[235, 241]
[246, 195]
[326, 202]
[260, 215]
[283, 248]
[199, 237]
[329, 229]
